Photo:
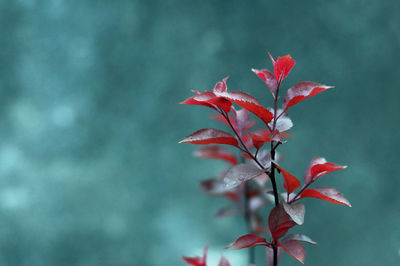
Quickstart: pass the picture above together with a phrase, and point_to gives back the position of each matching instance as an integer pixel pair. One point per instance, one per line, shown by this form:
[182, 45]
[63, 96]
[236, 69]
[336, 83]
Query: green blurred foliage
[90, 169]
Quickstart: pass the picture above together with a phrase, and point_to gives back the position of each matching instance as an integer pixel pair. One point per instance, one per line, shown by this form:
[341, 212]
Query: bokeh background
[90, 169]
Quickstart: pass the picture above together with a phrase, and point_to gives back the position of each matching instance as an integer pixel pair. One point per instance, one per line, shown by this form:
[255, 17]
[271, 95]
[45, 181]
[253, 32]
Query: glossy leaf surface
[295, 249]
[279, 222]
[241, 173]
[296, 211]
[302, 91]
[326, 193]
[248, 102]
[282, 66]
[210, 136]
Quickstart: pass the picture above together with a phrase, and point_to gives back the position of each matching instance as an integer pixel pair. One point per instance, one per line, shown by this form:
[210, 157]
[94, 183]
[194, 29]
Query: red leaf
[295, 249]
[282, 66]
[326, 193]
[248, 102]
[210, 98]
[197, 261]
[216, 152]
[224, 262]
[210, 136]
[290, 182]
[247, 241]
[319, 167]
[221, 86]
[279, 222]
[241, 173]
[267, 77]
[302, 91]
[258, 141]
[232, 196]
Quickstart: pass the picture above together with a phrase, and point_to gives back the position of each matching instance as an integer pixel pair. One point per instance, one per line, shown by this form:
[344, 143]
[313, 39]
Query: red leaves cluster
[232, 182]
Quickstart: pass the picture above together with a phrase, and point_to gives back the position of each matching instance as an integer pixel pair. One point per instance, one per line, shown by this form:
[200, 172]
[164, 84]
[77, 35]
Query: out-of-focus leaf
[296, 211]
[270, 255]
[319, 167]
[268, 77]
[247, 241]
[241, 173]
[258, 141]
[248, 102]
[326, 193]
[299, 237]
[302, 91]
[290, 182]
[224, 262]
[243, 121]
[279, 222]
[213, 187]
[295, 249]
[197, 261]
[226, 212]
[282, 66]
[210, 136]
[216, 152]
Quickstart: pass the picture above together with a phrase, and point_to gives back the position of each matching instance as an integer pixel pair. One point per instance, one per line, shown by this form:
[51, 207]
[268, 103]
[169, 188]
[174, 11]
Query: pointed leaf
[295, 249]
[326, 193]
[319, 167]
[224, 262]
[296, 211]
[248, 102]
[290, 182]
[247, 241]
[282, 66]
[302, 91]
[210, 136]
[258, 141]
[241, 173]
[197, 261]
[299, 237]
[216, 152]
[267, 77]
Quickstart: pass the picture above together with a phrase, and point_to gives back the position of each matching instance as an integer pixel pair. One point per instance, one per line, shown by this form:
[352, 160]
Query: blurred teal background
[90, 169]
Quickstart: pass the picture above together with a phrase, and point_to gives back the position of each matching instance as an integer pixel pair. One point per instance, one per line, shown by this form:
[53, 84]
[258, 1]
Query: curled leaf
[268, 77]
[282, 66]
[319, 167]
[279, 222]
[299, 237]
